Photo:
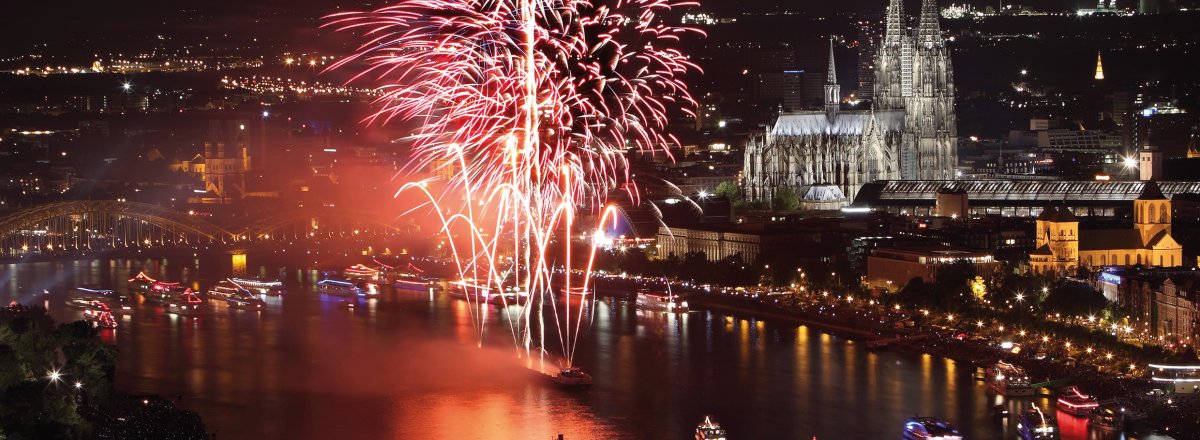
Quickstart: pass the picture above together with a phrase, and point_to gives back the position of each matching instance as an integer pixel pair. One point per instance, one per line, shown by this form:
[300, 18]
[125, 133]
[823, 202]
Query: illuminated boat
[709, 430]
[261, 285]
[117, 302]
[1009, 380]
[182, 301]
[89, 306]
[361, 272]
[141, 282]
[92, 290]
[666, 302]
[162, 290]
[339, 288]
[1107, 418]
[411, 282]
[571, 377]
[244, 300]
[224, 290]
[1074, 402]
[1037, 425]
[103, 319]
[921, 428]
[474, 292]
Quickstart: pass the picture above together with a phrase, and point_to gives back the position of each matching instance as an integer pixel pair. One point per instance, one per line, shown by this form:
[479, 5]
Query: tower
[914, 73]
[1151, 212]
[1058, 232]
[225, 166]
[1099, 67]
[1150, 163]
[1193, 149]
[833, 91]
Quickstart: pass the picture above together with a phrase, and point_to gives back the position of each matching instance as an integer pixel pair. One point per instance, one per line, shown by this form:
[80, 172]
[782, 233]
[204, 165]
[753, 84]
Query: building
[1013, 198]
[1174, 311]
[720, 241]
[1061, 247]
[908, 133]
[890, 269]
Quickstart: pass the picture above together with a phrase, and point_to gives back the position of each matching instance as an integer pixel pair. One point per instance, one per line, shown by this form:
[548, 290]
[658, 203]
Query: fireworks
[529, 106]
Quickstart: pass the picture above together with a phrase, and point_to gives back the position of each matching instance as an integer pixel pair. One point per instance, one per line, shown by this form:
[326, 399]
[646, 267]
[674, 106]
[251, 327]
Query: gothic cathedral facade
[908, 133]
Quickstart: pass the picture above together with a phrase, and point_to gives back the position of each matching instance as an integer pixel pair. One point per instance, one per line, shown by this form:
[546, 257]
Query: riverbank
[1173, 415]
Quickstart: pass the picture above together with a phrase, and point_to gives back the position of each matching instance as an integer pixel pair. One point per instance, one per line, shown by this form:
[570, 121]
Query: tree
[728, 190]
[731, 192]
[1073, 298]
[785, 199]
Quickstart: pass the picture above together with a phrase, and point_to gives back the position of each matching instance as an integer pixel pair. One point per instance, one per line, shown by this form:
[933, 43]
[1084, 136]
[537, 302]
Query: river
[409, 365]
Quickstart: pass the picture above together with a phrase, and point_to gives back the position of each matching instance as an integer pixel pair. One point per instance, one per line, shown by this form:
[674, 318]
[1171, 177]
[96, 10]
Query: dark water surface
[407, 365]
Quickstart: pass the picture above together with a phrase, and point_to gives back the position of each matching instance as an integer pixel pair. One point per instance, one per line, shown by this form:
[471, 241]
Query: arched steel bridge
[88, 225]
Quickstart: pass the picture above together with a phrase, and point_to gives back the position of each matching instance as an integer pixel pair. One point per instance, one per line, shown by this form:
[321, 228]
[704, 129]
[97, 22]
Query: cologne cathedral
[908, 132]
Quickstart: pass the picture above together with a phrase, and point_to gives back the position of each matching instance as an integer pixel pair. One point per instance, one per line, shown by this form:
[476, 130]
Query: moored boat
[709, 430]
[1107, 418]
[1074, 402]
[1009, 380]
[261, 285]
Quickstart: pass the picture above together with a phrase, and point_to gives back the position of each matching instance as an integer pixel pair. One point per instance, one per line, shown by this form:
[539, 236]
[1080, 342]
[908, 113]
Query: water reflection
[406, 366]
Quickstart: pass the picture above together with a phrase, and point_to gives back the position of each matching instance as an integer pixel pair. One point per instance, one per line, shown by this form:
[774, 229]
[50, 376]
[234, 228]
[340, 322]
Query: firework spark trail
[533, 104]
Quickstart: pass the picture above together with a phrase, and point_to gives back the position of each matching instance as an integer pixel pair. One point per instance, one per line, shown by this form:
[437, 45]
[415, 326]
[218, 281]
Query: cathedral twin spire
[929, 30]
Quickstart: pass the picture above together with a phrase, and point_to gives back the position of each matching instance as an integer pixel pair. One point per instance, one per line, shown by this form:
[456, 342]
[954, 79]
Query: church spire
[831, 74]
[894, 35]
[929, 32]
[1099, 67]
[833, 91]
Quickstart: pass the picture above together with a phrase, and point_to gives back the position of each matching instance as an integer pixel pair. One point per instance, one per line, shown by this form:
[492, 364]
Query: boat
[224, 290]
[1107, 418]
[339, 288]
[571, 377]
[114, 301]
[182, 301]
[411, 282]
[662, 301]
[93, 290]
[473, 292]
[245, 300]
[361, 272]
[261, 285]
[100, 319]
[1009, 380]
[1074, 402]
[709, 430]
[919, 428]
[161, 290]
[1037, 425]
[141, 282]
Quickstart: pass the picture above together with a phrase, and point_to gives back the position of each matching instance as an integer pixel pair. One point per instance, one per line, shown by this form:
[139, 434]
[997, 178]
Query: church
[1061, 248]
[908, 132]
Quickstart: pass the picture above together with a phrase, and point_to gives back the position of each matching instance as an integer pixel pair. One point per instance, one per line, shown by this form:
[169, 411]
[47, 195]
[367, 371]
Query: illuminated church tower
[913, 73]
[1099, 68]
